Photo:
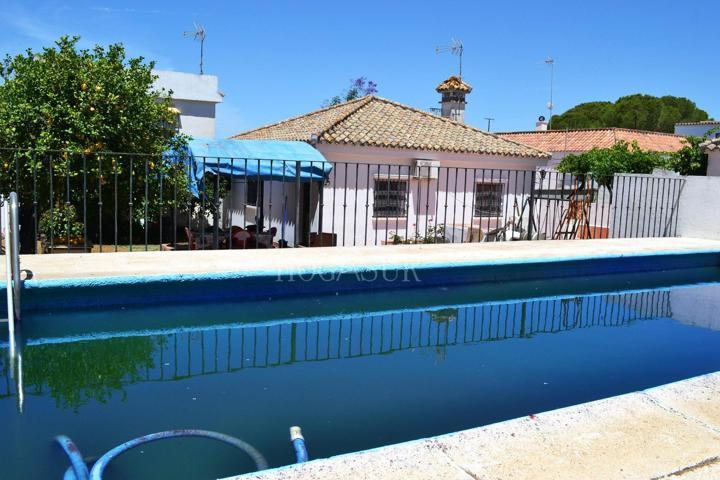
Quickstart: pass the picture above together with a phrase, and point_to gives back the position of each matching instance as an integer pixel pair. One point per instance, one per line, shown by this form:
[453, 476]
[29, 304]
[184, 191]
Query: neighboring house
[195, 97]
[563, 142]
[698, 129]
[712, 148]
[399, 170]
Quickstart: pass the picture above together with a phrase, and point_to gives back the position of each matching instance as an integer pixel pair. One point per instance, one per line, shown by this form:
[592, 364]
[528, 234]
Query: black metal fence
[102, 201]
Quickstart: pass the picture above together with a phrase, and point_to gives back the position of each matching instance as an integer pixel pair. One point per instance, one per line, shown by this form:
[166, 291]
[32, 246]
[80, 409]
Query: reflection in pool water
[382, 370]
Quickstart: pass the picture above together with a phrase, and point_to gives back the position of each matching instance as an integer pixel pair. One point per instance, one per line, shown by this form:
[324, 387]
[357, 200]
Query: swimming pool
[356, 369]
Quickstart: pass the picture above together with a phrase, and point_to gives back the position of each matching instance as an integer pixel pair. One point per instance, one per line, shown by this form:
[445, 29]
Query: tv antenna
[550, 105]
[456, 47]
[489, 119]
[198, 34]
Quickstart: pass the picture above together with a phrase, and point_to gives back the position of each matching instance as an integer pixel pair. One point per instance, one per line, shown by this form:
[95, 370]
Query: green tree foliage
[66, 108]
[689, 160]
[601, 164]
[83, 100]
[642, 112]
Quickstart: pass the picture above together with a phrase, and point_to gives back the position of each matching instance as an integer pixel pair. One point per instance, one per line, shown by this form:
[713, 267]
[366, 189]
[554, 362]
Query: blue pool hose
[298, 441]
[79, 471]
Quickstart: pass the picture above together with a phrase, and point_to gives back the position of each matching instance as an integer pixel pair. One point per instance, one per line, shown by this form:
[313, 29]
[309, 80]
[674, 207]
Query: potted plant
[61, 232]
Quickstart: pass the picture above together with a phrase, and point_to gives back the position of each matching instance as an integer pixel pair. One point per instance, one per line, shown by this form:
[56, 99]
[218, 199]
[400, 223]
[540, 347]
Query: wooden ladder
[576, 215]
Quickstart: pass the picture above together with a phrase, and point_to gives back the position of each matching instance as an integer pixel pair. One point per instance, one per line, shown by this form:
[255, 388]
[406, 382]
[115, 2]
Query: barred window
[489, 199]
[390, 197]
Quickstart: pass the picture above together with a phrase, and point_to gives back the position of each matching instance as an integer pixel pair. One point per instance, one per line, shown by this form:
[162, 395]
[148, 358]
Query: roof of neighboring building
[711, 145]
[378, 122]
[454, 83]
[583, 140]
[704, 122]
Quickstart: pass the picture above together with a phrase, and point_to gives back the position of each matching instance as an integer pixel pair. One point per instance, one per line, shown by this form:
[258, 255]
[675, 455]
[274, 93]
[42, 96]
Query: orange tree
[62, 110]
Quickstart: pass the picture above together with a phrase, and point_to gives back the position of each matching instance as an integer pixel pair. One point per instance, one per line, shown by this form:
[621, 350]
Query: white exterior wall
[195, 96]
[713, 168]
[197, 119]
[700, 208]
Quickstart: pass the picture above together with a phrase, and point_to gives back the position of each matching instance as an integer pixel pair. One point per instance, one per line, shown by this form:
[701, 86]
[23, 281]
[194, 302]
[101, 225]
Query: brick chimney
[452, 103]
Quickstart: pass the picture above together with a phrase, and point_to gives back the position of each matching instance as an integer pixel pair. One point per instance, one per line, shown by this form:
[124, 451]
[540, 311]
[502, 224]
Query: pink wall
[447, 200]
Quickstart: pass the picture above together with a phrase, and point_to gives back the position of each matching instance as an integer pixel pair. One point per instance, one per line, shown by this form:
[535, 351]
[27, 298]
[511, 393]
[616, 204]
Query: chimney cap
[454, 83]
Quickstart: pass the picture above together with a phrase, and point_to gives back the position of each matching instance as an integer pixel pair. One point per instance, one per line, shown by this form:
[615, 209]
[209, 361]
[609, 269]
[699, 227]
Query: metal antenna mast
[198, 34]
[489, 119]
[456, 47]
[550, 62]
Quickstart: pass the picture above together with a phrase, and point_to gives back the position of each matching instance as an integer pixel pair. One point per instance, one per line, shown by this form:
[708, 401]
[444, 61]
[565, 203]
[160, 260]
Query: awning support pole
[298, 200]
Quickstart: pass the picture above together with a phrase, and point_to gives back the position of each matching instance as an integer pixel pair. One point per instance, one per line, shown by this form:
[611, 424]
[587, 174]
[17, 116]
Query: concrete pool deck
[667, 432]
[93, 265]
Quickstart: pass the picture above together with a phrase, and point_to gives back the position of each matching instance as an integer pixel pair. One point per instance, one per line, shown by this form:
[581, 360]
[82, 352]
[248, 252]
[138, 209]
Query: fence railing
[103, 201]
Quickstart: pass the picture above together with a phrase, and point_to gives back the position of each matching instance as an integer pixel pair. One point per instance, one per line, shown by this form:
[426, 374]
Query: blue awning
[254, 160]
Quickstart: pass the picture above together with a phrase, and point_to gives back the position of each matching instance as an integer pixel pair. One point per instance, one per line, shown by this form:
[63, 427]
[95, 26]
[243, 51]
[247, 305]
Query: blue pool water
[356, 371]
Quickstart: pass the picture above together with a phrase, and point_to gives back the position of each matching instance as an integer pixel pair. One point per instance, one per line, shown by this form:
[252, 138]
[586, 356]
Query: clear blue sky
[277, 59]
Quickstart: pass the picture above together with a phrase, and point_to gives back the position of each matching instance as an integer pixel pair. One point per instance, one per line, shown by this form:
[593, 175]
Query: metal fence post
[531, 206]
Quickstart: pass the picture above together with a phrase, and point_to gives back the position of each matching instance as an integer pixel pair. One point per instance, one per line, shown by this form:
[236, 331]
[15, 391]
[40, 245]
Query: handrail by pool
[12, 273]
[12, 260]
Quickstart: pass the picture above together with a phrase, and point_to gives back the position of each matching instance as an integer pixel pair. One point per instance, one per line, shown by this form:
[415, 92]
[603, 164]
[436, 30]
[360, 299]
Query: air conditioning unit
[425, 168]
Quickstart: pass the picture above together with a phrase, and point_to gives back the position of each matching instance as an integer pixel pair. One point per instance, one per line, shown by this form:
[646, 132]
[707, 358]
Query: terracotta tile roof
[454, 83]
[378, 122]
[710, 145]
[586, 139]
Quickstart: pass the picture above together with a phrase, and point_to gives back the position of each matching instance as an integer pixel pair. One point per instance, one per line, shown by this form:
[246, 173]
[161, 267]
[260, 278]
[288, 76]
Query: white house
[398, 173]
[195, 96]
[698, 129]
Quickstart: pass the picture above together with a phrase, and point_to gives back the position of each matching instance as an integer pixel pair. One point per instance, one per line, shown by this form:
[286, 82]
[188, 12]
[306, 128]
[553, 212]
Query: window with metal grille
[390, 197]
[489, 199]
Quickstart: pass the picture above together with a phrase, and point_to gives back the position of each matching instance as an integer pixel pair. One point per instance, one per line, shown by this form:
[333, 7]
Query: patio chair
[192, 240]
[240, 238]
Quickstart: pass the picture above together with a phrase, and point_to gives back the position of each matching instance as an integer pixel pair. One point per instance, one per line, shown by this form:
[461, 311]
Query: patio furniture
[240, 238]
[323, 240]
[192, 245]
